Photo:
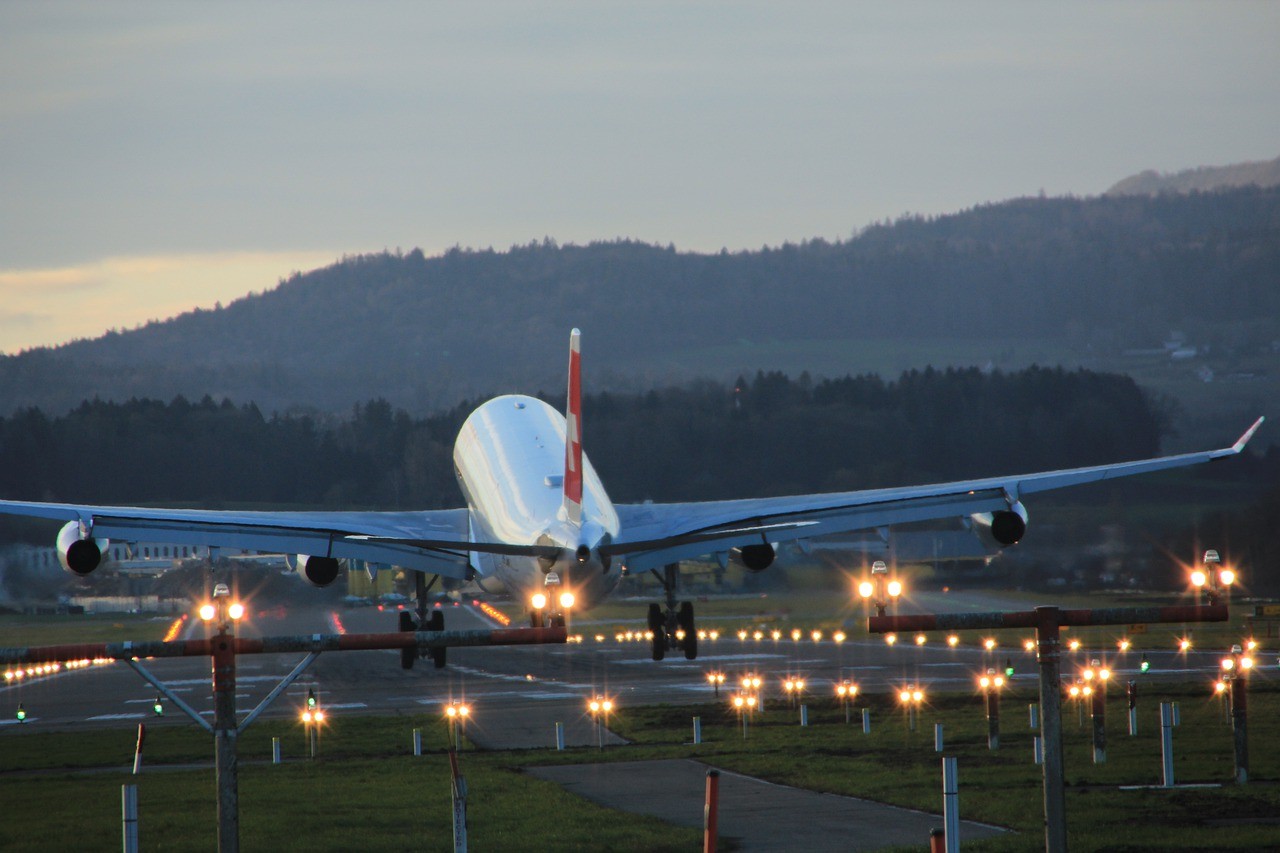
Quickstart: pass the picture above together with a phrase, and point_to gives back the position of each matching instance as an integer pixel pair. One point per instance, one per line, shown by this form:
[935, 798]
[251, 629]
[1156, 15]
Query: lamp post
[881, 589]
[991, 683]
[847, 692]
[599, 707]
[715, 679]
[1096, 676]
[1235, 673]
[456, 714]
[911, 699]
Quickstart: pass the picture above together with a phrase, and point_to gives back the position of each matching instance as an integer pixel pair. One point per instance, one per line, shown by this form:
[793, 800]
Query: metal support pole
[129, 809]
[1055, 799]
[710, 812]
[417, 742]
[275, 750]
[804, 715]
[697, 730]
[937, 737]
[950, 805]
[1240, 725]
[993, 718]
[226, 770]
[1037, 749]
[137, 752]
[1099, 717]
[458, 787]
[559, 737]
[1033, 712]
[1166, 744]
[866, 721]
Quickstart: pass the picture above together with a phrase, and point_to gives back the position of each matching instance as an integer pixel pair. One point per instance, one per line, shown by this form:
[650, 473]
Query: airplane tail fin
[573, 434]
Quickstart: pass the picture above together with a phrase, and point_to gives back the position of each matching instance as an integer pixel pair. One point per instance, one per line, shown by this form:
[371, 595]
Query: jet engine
[79, 556]
[1001, 528]
[753, 558]
[317, 571]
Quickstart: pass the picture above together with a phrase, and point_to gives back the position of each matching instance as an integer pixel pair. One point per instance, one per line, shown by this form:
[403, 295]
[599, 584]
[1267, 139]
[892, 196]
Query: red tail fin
[573, 434]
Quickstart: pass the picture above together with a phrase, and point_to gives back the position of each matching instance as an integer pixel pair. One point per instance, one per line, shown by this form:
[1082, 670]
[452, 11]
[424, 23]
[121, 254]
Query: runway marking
[18, 722]
[341, 706]
[117, 717]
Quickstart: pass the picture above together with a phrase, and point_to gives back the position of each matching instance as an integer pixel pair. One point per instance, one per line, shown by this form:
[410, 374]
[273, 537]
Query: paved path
[762, 816]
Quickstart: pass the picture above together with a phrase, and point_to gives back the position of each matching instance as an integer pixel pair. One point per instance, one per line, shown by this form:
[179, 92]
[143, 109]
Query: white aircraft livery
[539, 523]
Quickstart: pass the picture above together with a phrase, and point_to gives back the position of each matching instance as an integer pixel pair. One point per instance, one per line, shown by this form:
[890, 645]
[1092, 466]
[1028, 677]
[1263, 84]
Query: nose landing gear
[674, 628]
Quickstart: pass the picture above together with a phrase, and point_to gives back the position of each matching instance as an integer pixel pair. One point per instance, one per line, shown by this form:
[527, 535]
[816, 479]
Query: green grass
[898, 766]
[17, 631]
[366, 791]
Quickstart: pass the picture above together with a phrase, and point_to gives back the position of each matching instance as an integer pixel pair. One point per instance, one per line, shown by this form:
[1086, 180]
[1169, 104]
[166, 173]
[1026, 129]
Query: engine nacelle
[79, 556]
[753, 558]
[317, 571]
[1001, 528]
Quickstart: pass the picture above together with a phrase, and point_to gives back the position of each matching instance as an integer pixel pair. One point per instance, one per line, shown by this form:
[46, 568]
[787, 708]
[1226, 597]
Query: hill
[1202, 179]
[1056, 280]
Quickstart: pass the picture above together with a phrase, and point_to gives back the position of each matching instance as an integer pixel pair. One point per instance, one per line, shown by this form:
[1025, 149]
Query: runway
[518, 692]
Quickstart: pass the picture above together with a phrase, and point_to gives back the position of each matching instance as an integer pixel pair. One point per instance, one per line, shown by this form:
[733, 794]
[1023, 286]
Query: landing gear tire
[685, 620]
[658, 628]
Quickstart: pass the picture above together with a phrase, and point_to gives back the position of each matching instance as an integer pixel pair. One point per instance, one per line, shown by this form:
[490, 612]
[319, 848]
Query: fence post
[866, 721]
[129, 807]
[417, 741]
[1166, 744]
[697, 730]
[804, 715]
[275, 750]
[710, 812]
[560, 737]
[950, 805]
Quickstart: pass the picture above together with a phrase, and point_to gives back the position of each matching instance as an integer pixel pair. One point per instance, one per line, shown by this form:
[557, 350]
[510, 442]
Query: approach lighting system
[953, 640]
[1028, 646]
[235, 610]
[895, 588]
[158, 707]
[22, 713]
[1073, 645]
[865, 589]
[1145, 664]
[921, 639]
[208, 611]
[989, 643]
[1008, 668]
[1226, 577]
[1199, 579]
[539, 601]
[311, 698]
[566, 600]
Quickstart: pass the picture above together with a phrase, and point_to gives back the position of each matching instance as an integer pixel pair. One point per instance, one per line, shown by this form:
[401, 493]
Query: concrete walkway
[759, 815]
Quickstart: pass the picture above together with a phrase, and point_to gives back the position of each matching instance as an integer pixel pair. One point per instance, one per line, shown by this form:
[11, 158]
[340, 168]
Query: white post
[697, 730]
[1177, 714]
[950, 805]
[129, 805]
[804, 715]
[937, 737]
[275, 750]
[1037, 749]
[866, 721]
[1033, 710]
[1166, 742]
[560, 737]
[1133, 722]
[417, 741]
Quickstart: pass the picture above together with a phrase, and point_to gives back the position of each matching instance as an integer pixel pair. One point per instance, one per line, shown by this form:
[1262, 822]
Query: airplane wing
[653, 535]
[433, 541]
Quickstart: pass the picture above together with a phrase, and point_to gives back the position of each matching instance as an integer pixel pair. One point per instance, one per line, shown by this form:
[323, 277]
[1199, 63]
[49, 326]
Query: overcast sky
[158, 156]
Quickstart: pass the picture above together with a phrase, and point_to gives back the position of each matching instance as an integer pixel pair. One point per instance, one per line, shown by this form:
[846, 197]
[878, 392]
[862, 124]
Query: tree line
[770, 434]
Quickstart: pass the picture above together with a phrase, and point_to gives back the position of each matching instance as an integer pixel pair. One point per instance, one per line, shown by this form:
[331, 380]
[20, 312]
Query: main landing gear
[674, 628]
[419, 621]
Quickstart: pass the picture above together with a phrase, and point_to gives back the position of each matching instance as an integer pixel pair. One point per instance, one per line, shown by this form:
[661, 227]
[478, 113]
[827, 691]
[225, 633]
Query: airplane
[539, 523]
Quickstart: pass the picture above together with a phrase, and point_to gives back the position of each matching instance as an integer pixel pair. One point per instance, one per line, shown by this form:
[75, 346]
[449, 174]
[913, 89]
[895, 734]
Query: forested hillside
[769, 435]
[1098, 275]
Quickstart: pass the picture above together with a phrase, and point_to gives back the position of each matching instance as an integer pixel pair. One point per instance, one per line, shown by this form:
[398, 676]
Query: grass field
[366, 791]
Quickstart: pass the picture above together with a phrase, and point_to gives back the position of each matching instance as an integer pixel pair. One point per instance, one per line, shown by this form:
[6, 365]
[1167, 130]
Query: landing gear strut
[418, 621]
[674, 628]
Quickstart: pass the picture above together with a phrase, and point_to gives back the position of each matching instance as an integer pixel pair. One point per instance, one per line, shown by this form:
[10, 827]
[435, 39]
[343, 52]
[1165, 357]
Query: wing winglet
[573, 433]
[1248, 434]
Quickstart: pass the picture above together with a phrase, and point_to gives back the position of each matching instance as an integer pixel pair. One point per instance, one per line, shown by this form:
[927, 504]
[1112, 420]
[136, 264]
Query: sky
[158, 156]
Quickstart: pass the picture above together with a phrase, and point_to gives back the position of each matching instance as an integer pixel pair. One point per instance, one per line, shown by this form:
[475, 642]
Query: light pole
[456, 714]
[881, 589]
[911, 699]
[991, 683]
[1235, 672]
[600, 706]
[715, 679]
[847, 693]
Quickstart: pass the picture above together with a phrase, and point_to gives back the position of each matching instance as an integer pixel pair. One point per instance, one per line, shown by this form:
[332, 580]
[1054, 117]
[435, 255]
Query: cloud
[46, 307]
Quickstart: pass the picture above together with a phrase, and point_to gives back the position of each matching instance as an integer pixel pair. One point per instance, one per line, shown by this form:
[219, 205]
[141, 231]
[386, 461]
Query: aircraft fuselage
[509, 460]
